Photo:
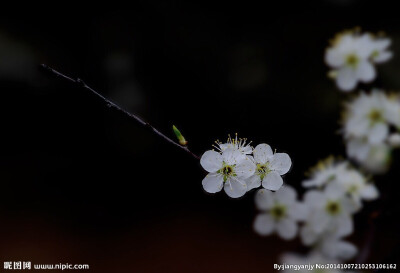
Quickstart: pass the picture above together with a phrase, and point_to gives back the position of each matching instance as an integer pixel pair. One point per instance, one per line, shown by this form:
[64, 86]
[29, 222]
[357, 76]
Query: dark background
[82, 183]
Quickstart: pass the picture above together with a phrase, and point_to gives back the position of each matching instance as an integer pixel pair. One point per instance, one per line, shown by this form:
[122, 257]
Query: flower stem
[112, 104]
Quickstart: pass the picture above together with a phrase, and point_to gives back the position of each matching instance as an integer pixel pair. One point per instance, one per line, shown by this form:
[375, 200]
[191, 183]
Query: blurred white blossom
[324, 172]
[357, 186]
[352, 55]
[280, 212]
[370, 124]
[370, 116]
[340, 172]
[329, 213]
[228, 170]
[269, 168]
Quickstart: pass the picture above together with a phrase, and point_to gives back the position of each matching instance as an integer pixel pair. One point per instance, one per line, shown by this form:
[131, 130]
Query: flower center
[263, 170]
[375, 116]
[278, 211]
[227, 171]
[333, 207]
[352, 60]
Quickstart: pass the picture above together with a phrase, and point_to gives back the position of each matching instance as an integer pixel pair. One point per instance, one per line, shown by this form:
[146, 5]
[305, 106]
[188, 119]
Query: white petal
[344, 226]
[211, 161]
[280, 163]
[313, 198]
[264, 199]
[383, 57]
[286, 195]
[358, 149]
[308, 236]
[245, 168]
[334, 191]
[366, 71]
[232, 156]
[264, 224]
[286, 228]
[319, 221]
[235, 188]
[262, 153]
[349, 206]
[346, 79]
[337, 249]
[253, 182]
[345, 250]
[298, 211]
[273, 181]
[213, 182]
[378, 133]
[369, 192]
[334, 58]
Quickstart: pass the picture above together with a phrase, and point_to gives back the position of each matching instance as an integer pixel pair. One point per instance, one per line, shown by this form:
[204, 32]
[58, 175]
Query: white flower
[229, 170]
[356, 185]
[369, 117]
[280, 212]
[375, 158]
[350, 180]
[352, 55]
[269, 168]
[330, 212]
[349, 57]
[235, 144]
[325, 172]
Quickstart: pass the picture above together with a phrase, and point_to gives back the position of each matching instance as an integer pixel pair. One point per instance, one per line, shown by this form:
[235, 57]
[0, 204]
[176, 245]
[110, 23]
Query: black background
[82, 183]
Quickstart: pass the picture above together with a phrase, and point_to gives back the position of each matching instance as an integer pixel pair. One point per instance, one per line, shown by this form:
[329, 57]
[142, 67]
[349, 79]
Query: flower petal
[264, 199]
[383, 57]
[313, 198]
[262, 153]
[334, 58]
[232, 156]
[308, 236]
[245, 168]
[344, 226]
[211, 161]
[346, 79]
[286, 195]
[298, 211]
[213, 182]
[378, 133]
[235, 188]
[253, 182]
[280, 163]
[264, 224]
[287, 228]
[365, 71]
[273, 181]
[369, 192]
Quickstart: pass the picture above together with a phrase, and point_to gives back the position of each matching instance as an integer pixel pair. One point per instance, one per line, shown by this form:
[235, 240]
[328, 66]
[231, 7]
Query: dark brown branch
[112, 104]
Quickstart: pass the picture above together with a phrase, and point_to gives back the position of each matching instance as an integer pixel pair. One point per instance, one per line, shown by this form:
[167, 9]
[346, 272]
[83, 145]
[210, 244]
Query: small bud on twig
[180, 137]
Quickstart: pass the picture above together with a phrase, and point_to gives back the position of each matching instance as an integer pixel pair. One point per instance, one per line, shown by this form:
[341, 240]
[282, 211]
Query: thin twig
[112, 104]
